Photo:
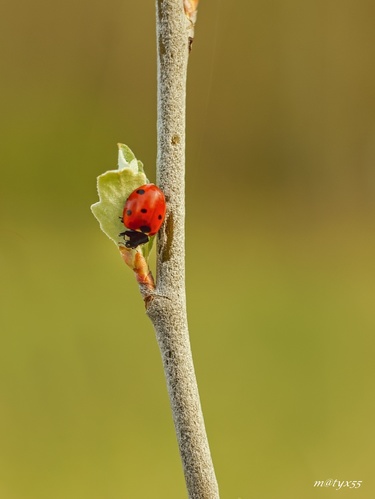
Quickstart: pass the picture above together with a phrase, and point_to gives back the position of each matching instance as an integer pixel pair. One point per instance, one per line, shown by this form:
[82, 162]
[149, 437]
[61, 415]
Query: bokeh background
[280, 250]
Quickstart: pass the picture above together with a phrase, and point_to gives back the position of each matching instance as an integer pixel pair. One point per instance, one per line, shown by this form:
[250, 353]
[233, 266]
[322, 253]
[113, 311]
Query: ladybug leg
[121, 219]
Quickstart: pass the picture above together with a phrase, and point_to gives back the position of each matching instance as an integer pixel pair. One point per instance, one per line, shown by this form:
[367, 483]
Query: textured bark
[167, 305]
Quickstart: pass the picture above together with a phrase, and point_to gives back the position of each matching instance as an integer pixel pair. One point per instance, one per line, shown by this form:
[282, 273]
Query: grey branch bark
[167, 307]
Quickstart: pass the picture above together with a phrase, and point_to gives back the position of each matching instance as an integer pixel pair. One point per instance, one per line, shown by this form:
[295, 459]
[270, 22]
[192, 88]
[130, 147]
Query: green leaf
[114, 188]
[127, 159]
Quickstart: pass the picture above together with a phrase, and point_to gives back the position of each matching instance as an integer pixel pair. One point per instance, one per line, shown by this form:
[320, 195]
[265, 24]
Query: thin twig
[167, 307]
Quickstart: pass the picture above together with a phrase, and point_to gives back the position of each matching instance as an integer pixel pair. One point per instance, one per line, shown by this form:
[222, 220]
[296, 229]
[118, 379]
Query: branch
[167, 306]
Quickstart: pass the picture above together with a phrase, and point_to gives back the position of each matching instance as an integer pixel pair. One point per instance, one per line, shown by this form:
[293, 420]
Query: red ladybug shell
[144, 210]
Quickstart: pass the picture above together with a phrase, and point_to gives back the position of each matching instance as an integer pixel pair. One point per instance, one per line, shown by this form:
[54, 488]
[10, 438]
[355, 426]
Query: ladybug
[143, 215]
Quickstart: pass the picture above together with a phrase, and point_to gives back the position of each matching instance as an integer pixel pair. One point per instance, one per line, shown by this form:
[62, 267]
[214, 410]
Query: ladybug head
[134, 238]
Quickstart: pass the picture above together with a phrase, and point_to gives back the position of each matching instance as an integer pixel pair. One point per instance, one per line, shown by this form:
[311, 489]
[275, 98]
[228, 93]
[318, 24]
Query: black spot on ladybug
[129, 212]
[160, 217]
[140, 191]
[145, 228]
[143, 210]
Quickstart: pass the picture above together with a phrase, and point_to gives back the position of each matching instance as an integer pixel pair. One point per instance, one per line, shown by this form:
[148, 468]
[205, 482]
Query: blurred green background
[280, 250]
